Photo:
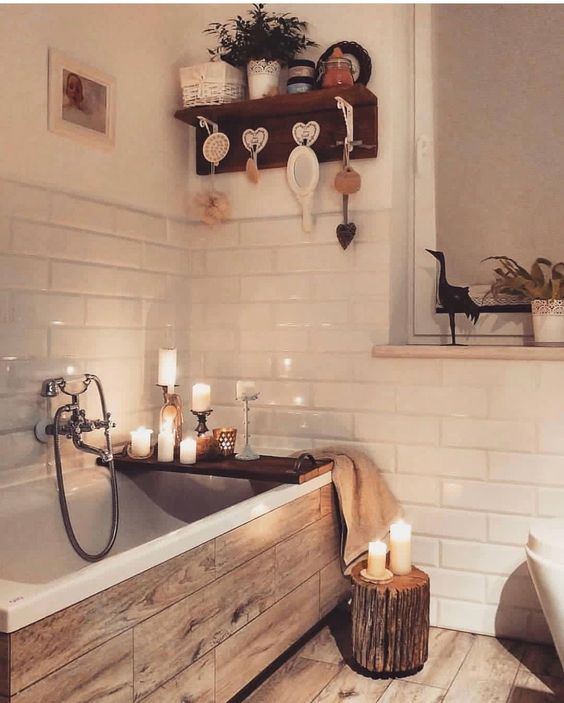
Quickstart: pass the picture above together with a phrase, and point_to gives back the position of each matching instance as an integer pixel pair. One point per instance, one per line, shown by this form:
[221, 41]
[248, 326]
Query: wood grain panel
[39, 649]
[168, 642]
[245, 542]
[302, 555]
[328, 499]
[195, 684]
[350, 685]
[298, 681]
[4, 664]
[447, 651]
[334, 588]
[487, 673]
[244, 655]
[405, 692]
[104, 674]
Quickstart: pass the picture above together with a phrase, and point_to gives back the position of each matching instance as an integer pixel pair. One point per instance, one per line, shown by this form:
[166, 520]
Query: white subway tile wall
[84, 286]
[473, 449]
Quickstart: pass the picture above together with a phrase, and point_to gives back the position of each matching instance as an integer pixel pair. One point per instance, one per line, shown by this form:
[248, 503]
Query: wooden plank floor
[462, 668]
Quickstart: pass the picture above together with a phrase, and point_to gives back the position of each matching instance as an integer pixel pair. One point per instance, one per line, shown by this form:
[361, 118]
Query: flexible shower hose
[61, 486]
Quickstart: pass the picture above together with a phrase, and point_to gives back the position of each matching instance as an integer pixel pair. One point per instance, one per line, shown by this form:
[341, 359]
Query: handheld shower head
[50, 387]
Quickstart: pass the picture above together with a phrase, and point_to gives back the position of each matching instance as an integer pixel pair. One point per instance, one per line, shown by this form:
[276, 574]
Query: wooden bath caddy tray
[267, 468]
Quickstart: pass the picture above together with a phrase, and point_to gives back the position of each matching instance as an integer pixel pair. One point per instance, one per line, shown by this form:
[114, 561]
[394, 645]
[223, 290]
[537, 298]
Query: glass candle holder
[225, 438]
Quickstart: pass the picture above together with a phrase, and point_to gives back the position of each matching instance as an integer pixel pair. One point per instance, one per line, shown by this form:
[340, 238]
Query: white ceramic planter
[263, 78]
[548, 321]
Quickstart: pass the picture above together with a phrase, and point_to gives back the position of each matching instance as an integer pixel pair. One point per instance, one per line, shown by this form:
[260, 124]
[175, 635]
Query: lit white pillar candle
[188, 451]
[377, 560]
[201, 397]
[245, 389]
[167, 369]
[165, 451]
[400, 548]
[141, 442]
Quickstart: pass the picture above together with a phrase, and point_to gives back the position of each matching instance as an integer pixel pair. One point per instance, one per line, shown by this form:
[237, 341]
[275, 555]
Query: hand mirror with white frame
[303, 176]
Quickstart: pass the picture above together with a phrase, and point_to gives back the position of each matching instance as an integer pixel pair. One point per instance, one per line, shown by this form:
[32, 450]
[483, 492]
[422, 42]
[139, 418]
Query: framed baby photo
[81, 101]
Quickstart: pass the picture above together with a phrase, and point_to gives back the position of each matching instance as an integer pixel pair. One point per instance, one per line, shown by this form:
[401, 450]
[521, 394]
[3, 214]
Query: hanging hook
[348, 114]
[205, 123]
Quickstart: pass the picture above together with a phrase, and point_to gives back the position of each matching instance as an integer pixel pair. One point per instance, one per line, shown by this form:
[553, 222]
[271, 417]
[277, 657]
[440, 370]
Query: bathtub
[162, 515]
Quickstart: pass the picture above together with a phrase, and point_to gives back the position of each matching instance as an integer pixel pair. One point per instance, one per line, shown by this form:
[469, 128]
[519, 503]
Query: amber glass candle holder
[225, 438]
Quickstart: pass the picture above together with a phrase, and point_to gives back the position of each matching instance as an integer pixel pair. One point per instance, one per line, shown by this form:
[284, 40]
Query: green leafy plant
[545, 280]
[264, 35]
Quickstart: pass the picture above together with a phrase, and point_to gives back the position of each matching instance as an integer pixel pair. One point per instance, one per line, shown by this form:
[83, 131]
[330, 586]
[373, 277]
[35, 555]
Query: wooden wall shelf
[278, 114]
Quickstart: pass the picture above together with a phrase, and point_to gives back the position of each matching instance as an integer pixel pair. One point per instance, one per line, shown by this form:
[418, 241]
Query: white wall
[85, 286]
[94, 283]
[141, 46]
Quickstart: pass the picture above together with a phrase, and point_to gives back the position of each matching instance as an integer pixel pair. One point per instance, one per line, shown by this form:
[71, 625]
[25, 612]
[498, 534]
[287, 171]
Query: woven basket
[212, 83]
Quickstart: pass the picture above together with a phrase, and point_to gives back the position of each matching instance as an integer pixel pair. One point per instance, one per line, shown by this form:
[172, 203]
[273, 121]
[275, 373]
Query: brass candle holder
[201, 428]
[171, 412]
[204, 440]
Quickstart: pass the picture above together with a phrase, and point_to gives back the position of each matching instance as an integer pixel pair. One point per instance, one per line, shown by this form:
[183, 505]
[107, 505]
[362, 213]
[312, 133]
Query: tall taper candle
[167, 369]
[165, 447]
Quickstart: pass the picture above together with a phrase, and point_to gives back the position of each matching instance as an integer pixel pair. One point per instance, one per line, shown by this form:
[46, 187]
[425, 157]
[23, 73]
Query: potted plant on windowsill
[542, 286]
[263, 43]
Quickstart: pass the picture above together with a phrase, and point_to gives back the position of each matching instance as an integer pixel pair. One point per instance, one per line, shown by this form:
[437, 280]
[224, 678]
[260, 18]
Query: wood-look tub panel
[104, 674]
[249, 540]
[305, 553]
[4, 664]
[39, 649]
[169, 641]
[264, 639]
[196, 684]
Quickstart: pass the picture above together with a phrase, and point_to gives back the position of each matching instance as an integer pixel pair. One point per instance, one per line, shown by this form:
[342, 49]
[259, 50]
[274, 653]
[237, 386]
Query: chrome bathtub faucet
[77, 424]
[70, 421]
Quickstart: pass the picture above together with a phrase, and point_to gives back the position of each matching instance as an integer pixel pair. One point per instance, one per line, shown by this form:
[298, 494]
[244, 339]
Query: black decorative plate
[357, 55]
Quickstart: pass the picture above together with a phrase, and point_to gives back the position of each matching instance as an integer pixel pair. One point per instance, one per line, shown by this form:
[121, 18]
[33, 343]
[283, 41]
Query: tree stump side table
[390, 622]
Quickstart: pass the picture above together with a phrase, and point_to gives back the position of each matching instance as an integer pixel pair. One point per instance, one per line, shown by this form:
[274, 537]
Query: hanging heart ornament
[346, 233]
[254, 140]
[216, 147]
[306, 134]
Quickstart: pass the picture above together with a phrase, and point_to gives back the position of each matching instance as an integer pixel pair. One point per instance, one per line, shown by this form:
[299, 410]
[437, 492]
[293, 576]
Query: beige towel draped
[366, 504]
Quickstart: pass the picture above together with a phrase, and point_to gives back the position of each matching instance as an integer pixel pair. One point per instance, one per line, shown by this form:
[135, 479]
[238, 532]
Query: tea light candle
[377, 559]
[167, 369]
[165, 451]
[188, 451]
[245, 389]
[141, 442]
[400, 548]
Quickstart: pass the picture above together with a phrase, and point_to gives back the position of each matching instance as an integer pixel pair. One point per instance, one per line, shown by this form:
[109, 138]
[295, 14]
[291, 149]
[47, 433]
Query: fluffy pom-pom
[212, 207]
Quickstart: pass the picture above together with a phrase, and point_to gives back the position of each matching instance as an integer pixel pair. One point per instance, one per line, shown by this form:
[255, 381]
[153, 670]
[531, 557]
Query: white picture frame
[82, 101]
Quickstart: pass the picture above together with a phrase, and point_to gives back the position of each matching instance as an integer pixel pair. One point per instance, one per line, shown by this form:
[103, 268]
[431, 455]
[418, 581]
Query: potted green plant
[263, 43]
[543, 286]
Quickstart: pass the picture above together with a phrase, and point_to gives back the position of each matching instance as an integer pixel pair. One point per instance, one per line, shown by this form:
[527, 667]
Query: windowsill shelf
[431, 351]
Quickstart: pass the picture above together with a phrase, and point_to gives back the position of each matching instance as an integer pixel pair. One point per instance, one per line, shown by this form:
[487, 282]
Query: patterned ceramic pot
[548, 321]
[263, 78]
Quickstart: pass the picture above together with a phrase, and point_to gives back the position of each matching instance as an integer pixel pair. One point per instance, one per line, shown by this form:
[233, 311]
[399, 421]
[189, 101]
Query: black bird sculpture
[454, 298]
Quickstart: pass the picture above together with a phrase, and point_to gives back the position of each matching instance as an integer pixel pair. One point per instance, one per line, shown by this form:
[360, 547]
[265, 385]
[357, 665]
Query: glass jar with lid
[337, 71]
